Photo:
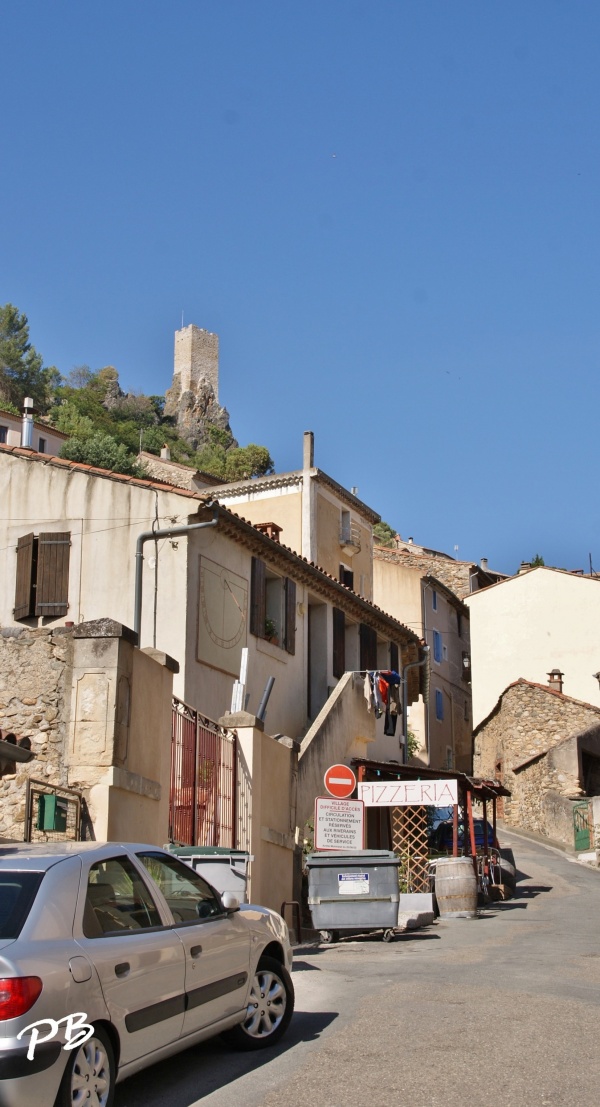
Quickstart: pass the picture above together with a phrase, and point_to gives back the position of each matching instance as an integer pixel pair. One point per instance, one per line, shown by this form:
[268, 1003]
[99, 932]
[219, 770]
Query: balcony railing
[350, 539]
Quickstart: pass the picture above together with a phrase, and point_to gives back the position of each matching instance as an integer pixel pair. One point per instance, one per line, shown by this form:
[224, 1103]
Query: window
[42, 446]
[394, 658]
[434, 599]
[3, 434]
[439, 705]
[42, 585]
[437, 647]
[346, 577]
[117, 899]
[339, 643]
[188, 895]
[368, 647]
[449, 758]
[273, 606]
[18, 890]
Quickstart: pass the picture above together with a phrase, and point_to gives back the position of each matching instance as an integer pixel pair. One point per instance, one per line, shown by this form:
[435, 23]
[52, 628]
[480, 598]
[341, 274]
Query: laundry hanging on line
[382, 693]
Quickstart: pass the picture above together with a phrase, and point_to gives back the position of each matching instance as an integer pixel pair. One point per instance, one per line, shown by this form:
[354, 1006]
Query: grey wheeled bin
[353, 892]
[226, 869]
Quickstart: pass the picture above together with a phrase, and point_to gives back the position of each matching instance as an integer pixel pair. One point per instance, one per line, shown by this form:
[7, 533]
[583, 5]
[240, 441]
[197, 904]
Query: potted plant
[271, 631]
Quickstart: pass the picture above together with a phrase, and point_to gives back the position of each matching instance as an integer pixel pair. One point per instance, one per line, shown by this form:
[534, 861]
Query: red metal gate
[203, 780]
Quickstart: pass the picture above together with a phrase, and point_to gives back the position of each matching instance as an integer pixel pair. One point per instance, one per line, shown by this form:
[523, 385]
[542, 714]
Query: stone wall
[35, 696]
[536, 736]
[454, 574]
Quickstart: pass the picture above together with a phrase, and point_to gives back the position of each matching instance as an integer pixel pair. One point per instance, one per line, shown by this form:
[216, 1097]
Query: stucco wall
[530, 624]
[400, 589]
[281, 505]
[344, 729]
[330, 554]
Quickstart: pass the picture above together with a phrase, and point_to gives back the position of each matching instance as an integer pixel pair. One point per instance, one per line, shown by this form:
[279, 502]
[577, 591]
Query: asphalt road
[499, 1011]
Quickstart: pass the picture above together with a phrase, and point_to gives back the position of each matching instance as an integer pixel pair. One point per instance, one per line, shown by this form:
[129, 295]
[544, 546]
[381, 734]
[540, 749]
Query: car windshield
[17, 893]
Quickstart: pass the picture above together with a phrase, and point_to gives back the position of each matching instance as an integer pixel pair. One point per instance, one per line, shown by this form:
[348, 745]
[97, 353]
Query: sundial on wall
[223, 615]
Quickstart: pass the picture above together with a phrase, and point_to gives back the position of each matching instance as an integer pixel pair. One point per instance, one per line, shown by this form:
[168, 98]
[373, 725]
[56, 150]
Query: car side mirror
[230, 902]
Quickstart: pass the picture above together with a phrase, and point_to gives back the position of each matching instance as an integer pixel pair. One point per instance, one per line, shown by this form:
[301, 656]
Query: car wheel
[270, 1008]
[89, 1078]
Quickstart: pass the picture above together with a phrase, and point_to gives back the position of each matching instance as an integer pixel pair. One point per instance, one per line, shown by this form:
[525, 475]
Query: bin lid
[205, 851]
[352, 857]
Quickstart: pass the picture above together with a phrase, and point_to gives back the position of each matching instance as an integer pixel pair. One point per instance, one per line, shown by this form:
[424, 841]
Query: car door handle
[122, 968]
[195, 951]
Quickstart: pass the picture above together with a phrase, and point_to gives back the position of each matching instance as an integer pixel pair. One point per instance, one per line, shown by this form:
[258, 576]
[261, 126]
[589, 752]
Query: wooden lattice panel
[410, 843]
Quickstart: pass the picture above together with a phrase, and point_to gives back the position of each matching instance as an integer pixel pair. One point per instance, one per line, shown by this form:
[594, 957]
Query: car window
[117, 899]
[187, 893]
[17, 893]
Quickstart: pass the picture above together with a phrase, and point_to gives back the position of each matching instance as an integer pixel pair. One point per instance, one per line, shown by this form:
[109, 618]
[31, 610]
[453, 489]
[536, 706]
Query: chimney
[309, 450]
[555, 680]
[27, 430]
[165, 453]
[525, 565]
[484, 564]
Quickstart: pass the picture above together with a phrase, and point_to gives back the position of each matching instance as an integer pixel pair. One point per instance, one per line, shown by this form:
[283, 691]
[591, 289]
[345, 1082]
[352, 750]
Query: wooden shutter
[52, 583]
[290, 615]
[394, 657]
[23, 597]
[368, 647]
[258, 598]
[339, 642]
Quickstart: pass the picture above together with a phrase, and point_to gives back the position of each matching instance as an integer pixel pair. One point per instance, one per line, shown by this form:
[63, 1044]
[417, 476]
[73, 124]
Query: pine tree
[21, 372]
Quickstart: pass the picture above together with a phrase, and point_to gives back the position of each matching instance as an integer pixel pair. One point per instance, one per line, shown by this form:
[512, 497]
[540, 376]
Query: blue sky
[387, 210]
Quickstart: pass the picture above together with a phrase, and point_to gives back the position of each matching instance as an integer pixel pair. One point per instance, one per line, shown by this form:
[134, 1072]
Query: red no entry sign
[340, 781]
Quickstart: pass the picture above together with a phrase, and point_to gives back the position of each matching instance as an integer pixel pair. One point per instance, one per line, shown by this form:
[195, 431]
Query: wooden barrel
[456, 888]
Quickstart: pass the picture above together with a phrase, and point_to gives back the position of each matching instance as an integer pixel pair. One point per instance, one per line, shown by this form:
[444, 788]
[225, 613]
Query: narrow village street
[499, 1011]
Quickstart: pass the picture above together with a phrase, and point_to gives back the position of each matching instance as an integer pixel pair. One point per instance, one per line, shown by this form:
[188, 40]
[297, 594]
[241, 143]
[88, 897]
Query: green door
[581, 825]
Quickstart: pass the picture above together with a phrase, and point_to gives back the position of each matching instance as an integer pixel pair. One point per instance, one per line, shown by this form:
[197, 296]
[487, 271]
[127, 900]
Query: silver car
[115, 956]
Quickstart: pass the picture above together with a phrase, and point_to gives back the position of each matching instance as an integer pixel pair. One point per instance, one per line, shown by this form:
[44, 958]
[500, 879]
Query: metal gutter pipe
[146, 536]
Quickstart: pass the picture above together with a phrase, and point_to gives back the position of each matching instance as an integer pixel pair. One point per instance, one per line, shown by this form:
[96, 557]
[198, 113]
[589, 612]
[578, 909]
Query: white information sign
[339, 824]
[406, 793]
[353, 884]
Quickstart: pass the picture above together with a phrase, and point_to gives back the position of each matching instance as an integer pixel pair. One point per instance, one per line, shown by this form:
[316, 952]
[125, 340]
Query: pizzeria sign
[408, 793]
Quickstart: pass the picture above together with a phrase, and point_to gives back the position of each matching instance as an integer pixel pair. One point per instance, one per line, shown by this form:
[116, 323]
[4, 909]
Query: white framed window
[437, 647]
[439, 705]
[3, 434]
[445, 652]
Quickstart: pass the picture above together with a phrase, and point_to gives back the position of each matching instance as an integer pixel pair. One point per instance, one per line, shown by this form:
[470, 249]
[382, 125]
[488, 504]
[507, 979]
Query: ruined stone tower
[196, 357]
[193, 399]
